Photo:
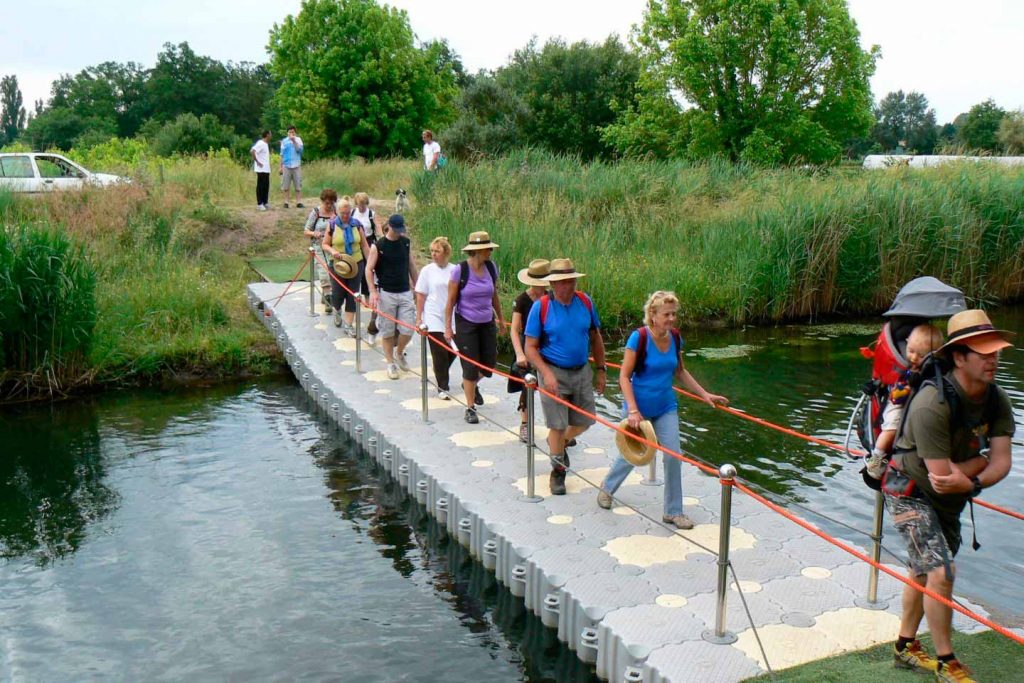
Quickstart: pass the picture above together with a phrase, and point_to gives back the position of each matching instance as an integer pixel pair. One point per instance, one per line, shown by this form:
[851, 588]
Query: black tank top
[393, 264]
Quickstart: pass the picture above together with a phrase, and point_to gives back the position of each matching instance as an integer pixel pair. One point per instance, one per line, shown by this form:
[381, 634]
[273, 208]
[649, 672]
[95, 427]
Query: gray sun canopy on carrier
[927, 297]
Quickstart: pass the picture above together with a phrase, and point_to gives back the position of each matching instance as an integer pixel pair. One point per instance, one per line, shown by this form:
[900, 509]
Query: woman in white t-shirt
[431, 299]
[362, 213]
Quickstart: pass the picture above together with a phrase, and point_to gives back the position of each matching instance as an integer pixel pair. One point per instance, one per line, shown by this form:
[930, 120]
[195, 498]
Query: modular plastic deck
[623, 592]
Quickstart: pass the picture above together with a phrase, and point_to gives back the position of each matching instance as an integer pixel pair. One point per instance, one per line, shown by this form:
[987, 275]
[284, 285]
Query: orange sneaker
[953, 672]
[914, 657]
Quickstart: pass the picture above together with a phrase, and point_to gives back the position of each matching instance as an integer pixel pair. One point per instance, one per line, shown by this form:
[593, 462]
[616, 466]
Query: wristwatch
[601, 368]
[977, 486]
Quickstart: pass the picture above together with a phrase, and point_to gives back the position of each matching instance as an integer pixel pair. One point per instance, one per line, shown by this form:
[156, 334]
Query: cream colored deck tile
[482, 439]
[482, 463]
[348, 363]
[690, 500]
[377, 376]
[593, 450]
[786, 645]
[855, 628]
[345, 344]
[747, 586]
[623, 510]
[382, 391]
[670, 600]
[319, 326]
[573, 484]
[816, 572]
[433, 403]
[560, 519]
[644, 551]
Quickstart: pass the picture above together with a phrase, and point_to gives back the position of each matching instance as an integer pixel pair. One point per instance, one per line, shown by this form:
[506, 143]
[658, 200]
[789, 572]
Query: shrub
[188, 134]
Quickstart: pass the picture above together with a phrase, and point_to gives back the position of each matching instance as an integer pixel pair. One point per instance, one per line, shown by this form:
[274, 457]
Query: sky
[956, 53]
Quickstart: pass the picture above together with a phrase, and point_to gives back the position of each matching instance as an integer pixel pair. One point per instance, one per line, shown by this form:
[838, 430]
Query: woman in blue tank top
[648, 395]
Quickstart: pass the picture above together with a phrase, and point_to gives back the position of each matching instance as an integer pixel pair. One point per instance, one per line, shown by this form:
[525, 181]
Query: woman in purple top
[473, 298]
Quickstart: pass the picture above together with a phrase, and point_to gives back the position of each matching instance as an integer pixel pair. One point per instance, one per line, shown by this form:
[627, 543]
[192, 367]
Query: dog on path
[401, 201]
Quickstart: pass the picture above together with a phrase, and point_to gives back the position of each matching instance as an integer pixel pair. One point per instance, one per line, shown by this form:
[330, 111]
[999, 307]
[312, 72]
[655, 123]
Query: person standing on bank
[431, 301]
[474, 302]
[533, 277]
[260, 153]
[562, 331]
[345, 235]
[431, 151]
[648, 395]
[954, 441]
[391, 274]
[291, 167]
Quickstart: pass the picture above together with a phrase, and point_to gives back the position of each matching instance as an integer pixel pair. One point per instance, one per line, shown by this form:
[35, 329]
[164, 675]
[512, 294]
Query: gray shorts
[292, 176]
[576, 387]
[398, 305]
[929, 544]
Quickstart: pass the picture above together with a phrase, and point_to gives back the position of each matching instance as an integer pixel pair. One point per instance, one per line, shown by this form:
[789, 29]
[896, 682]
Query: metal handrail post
[872, 601]
[652, 473]
[720, 636]
[530, 387]
[312, 278]
[359, 336]
[423, 369]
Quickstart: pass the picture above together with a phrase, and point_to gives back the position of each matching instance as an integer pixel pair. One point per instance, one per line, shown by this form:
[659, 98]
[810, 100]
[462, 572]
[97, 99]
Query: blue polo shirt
[566, 338]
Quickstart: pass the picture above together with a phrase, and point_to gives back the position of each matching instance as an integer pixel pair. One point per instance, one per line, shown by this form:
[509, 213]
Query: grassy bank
[740, 243]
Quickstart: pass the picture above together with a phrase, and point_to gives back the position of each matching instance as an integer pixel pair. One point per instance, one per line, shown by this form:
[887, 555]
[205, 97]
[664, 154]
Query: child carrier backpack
[888, 366]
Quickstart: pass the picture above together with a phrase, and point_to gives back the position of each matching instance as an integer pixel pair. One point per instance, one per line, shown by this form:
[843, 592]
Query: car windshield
[55, 167]
[16, 167]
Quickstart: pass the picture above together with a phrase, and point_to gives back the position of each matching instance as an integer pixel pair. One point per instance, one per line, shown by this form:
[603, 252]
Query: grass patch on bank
[990, 656]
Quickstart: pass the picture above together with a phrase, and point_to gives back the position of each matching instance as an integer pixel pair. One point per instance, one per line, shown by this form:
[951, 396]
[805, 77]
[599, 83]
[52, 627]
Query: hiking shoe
[337, 318]
[678, 521]
[261, 207]
[392, 371]
[402, 362]
[371, 339]
[913, 657]
[471, 416]
[604, 499]
[524, 432]
[348, 331]
[953, 672]
[285, 205]
[478, 399]
[328, 309]
[556, 482]
[443, 395]
[299, 205]
[570, 443]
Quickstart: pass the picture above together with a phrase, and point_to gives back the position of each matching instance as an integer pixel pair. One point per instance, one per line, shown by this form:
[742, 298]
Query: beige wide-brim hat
[345, 266]
[973, 329]
[534, 275]
[479, 240]
[563, 269]
[635, 452]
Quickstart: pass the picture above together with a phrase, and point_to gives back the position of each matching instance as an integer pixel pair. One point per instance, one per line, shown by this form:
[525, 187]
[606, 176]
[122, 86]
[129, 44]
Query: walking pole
[423, 369]
[530, 387]
[312, 289]
[872, 601]
[359, 335]
[726, 474]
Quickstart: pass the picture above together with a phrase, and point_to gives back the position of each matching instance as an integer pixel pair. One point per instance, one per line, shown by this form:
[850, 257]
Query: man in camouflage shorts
[954, 442]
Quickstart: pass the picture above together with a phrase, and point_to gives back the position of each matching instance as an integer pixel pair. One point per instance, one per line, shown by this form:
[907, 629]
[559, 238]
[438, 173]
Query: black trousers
[442, 358]
[262, 188]
[338, 294]
[478, 341]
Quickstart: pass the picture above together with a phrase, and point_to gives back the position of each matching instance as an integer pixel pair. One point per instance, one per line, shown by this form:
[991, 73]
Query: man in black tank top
[391, 274]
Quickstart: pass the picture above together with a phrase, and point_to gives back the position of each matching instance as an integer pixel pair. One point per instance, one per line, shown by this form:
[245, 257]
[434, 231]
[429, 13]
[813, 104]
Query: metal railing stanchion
[872, 601]
[424, 340]
[720, 636]
[530, 387]
[359, 335]
[652, 473]
[312, 279]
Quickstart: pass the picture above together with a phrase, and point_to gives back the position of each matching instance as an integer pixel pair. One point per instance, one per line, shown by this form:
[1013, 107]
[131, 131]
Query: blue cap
[397, 222]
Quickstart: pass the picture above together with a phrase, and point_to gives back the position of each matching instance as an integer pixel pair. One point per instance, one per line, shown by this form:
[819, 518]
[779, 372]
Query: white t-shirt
[433, 281]
[429, 150]
[262, 150]
[363, 218]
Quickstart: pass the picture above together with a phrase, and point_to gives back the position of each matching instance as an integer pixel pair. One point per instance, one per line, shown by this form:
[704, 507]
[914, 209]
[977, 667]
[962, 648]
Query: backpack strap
[492, 270]
[641, 349]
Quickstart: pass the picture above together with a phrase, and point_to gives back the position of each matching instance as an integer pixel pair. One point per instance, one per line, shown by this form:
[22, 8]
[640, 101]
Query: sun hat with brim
[563, 269]
[345, 266]
[974, 330]
[534, 275]
[635, 452]
[479, 240]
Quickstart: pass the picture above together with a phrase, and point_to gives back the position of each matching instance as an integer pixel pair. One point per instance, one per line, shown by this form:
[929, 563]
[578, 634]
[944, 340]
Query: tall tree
[980, 126]
[905, 120]
[353, 80]
[491, 119]
[570, 90]
[1011, 132]
[183, 82]
[12, 113]
[109, 91]
[769, 80]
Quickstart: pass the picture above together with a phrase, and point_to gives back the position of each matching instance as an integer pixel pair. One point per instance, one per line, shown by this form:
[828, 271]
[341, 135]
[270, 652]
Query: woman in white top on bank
[431, 299]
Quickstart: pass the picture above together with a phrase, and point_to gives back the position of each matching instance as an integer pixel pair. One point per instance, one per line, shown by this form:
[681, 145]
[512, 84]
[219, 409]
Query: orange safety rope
[292, 282]
[742, 487]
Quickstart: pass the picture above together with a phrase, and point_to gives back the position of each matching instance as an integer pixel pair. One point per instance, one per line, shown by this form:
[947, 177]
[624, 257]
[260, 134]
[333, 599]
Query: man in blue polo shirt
[561, 331]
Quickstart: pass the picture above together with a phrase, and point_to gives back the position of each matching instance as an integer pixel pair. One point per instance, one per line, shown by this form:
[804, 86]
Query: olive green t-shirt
[926, 436]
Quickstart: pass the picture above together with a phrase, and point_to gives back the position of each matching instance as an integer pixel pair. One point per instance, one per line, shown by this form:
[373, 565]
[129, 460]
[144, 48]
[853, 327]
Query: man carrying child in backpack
[954, 441]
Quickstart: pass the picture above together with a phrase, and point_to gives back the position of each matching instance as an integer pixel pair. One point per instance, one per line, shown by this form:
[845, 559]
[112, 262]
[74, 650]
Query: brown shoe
[604, 499]
[556, 482]
[679, 521]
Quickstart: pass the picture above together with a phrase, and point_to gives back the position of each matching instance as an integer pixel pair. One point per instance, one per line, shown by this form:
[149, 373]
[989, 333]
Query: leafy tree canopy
[353, 80]
[12, 113]
[490, 120]
[905, 120]
[980, 126]
[788, 74]
[1011, 132]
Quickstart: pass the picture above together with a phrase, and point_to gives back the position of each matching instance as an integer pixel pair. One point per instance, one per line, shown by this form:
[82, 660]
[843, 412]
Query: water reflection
[51, 481]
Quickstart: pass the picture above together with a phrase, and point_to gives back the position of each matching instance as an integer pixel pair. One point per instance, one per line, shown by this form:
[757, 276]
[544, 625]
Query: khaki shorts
[576, 387]
[398, 305]
[292, 176]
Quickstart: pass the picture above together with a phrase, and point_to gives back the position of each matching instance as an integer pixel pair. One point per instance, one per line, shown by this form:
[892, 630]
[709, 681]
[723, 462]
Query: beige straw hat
[973, 329]
[635, 452]
[534, 275]
[345, 266]
[563, 269]
[479, 240]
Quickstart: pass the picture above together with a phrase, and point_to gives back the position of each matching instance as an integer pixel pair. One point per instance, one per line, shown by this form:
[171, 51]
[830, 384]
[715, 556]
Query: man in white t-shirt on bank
[431, 151]
[260, 153]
